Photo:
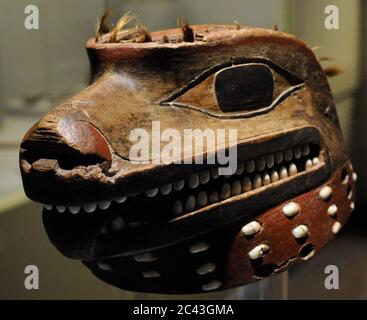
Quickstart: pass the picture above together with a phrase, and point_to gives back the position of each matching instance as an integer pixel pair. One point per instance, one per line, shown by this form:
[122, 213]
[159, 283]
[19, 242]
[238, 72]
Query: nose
[68, 142]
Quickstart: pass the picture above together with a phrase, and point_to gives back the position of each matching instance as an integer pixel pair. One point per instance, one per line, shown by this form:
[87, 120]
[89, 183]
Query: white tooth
[350, 195]
[213, 197]
[236, 188]
[288, 155]
[104, 266]
[206, 268]
[61, 209]
[150, 274]
[48, 206]
[352, 206]
[259, 251]
[336, 227]
[306, 150]
[204, 177]
[226, 191]
[315, 161]
[256, 183]
[240, 168]
[213, 285]
[165, 188]
[117, 224]
[346, 179]
[74, 209]
[214, 173]
[179, 184]
[279, 157]
[292, 169]
[105, 204]
[332, 210]
[121, 199]
[246, 184]
[260, 163]
[193, 181]
[354, 177]
[202, 199]
[325, 193]
[297, 152]
[300, 231]
[251, 228]
[266, 179]
[308, 164]
[90, 207]
[190, 204]
[199, 247]
[283, 173]
[152, 192]
[145, 257]
[274, 176]
[291, 209]
[177, 208]
[270, 160]
[250, 166]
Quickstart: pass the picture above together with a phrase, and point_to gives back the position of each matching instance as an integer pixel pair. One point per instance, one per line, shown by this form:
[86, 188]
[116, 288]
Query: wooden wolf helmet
[181, 228]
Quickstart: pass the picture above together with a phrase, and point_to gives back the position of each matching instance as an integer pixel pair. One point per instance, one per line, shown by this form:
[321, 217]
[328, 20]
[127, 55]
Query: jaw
[225, 230]
[236, 253]
[194, 204]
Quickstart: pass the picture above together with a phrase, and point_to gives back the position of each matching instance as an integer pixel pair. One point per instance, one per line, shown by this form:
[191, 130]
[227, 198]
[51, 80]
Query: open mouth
[201, 190]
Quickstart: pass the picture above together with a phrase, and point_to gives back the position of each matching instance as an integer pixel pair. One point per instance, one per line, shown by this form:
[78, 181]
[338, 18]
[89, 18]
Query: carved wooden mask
[175, 228]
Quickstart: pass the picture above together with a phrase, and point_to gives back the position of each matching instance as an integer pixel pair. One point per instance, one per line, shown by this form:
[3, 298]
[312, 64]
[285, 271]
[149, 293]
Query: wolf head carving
[150, 225]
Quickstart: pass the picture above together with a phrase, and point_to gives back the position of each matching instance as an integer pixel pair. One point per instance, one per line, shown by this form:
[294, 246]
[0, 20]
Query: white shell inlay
[291, 209]
[251, 228]
[259, 251]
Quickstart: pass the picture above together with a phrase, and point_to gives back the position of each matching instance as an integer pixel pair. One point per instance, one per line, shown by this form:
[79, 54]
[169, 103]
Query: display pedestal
[273, 288]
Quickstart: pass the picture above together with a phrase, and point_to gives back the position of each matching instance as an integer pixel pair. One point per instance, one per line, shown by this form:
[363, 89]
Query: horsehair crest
[122, 22]
[237, 25]
[102, 26]
[332, 71]
[143, 34]
[187, 31]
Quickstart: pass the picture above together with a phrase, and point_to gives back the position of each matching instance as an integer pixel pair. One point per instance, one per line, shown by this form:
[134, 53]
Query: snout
[56, 148]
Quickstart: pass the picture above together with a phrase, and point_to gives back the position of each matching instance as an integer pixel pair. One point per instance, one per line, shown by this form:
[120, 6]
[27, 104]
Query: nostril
[67, 142]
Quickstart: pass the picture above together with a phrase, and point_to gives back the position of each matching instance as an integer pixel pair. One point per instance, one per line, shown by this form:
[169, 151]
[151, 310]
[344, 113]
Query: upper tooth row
[228, 190]
[194, 180]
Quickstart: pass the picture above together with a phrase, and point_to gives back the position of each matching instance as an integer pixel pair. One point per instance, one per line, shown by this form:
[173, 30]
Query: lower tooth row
[237, 187]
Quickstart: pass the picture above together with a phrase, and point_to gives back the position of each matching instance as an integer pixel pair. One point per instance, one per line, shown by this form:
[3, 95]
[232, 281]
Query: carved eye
[238, 90]
[244, 87]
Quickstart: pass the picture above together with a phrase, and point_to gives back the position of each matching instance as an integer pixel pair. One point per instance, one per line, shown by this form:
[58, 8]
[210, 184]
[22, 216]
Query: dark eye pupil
[244, 87]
